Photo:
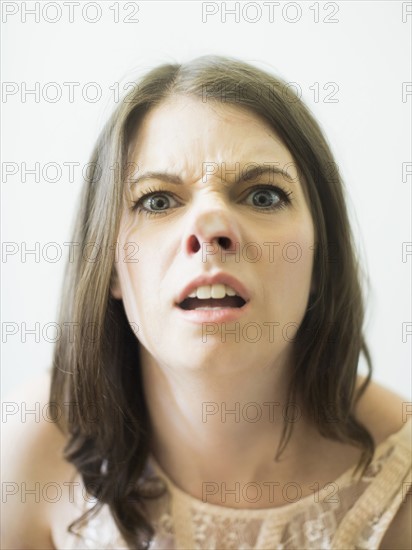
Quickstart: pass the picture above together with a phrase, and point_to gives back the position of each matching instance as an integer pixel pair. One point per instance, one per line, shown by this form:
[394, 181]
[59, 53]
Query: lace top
[351, 513]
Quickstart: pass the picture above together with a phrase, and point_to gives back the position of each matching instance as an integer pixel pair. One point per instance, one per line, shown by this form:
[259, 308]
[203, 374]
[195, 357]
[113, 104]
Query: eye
[159, 201]
[155, 202]
[268, 197]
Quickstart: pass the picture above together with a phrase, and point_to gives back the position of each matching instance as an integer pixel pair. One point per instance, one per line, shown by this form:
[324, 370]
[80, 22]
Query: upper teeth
[212, 291]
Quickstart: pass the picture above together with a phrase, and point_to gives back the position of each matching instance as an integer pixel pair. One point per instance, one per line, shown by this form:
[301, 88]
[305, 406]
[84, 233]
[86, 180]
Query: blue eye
[154, 202]
[269, 197]
[264, 198]
[157, 202]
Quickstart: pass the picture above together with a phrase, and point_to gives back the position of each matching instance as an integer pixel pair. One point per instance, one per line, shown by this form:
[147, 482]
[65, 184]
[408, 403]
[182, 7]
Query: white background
[366, 53]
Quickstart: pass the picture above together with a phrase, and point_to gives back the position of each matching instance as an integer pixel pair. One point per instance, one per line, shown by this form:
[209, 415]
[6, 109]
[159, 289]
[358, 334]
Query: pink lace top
[348, 513]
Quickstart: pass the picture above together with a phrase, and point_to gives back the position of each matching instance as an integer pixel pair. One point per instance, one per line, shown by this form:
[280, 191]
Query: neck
[221, 426]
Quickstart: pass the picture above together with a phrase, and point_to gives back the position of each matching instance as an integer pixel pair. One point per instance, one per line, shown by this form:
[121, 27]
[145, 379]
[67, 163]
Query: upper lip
[218, 278]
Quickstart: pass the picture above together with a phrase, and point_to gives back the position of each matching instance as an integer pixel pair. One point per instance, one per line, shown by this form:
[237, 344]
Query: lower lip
[213, 315]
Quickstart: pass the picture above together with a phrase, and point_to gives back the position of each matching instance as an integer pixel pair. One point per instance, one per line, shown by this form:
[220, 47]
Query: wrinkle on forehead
[187, 161]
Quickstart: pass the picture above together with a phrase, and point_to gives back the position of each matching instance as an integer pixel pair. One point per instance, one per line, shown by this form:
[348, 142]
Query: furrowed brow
[251, 173]
[258, 170]
[163, 176]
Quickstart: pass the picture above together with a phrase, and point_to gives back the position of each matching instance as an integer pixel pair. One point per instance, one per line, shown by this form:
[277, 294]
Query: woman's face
[211, 217]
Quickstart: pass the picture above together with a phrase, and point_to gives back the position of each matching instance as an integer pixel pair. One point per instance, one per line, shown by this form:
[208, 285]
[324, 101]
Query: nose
[212, 226]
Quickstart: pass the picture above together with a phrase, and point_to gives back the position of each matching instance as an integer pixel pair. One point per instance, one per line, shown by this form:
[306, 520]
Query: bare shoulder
[384, 413]
[33, 466]
[381, 410]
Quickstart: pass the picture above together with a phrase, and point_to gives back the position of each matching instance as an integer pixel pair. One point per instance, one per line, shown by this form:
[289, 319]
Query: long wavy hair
[96, 363]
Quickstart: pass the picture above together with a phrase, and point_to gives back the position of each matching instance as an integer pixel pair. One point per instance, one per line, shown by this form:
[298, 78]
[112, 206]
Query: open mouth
[212, 303]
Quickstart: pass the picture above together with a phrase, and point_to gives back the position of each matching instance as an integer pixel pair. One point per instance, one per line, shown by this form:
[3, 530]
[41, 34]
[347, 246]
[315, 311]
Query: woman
[206, 386]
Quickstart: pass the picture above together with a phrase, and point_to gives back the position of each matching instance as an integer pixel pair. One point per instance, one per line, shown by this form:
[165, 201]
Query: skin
[167, 255]
[32, 453]
[181, 371]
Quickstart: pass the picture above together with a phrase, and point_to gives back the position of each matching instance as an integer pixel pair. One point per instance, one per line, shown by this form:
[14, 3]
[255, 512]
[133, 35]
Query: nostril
[194, 244]
[224, 242]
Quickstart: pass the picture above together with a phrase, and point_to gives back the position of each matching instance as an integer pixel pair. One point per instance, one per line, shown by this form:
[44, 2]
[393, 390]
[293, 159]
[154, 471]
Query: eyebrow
[250, 173]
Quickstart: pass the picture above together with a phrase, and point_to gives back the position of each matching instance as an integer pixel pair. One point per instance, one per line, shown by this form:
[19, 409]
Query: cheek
[297, 256]
[132, 272]
[290, 271]
[141, 266]
[292, 244]
[138, 285]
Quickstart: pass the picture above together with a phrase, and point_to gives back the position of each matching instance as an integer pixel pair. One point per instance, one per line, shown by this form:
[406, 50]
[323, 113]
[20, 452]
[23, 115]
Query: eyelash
[284, 201]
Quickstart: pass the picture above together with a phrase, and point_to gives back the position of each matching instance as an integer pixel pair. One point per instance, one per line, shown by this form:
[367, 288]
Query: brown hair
[102, 369]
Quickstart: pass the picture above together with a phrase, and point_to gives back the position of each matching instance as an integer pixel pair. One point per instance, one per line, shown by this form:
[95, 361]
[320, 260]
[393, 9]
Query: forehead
[184, 132]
